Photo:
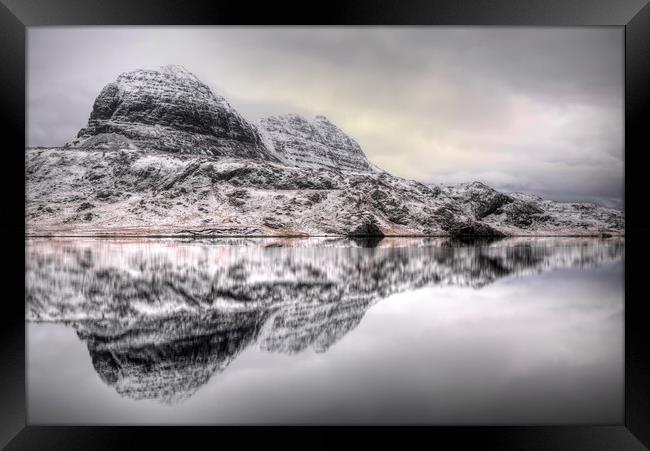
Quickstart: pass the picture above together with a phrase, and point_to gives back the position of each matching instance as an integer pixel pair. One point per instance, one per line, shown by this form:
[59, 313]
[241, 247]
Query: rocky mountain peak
[168, 108]
[173, 69]
[298, 141]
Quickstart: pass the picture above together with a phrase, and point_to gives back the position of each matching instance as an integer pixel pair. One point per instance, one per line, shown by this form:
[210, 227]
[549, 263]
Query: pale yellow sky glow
[523, 109]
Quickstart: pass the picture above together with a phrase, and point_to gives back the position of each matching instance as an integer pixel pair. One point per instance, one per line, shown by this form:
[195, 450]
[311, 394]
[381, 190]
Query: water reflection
[161, 317]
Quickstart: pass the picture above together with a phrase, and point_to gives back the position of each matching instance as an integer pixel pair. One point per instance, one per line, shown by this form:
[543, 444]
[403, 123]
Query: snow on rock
[93, 192]
[166, 194]
[523, 214]
[167, 108]
[319, 143]
[163, 155]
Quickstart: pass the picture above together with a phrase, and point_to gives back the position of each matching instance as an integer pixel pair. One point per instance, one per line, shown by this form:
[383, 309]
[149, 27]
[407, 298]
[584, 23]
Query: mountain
[316, 144]
[167, 108]
[112, 193]
[163, 155]
[160, 317]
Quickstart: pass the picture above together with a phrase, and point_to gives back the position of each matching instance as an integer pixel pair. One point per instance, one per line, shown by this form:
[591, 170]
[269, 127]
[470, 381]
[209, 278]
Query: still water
[317, 331]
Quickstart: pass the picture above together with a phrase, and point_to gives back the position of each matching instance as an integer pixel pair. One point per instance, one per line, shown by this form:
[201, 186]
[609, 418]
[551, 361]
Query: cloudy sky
[537, 110]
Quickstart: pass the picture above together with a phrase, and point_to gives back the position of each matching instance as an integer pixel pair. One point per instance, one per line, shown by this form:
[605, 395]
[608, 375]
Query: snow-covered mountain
[167, 108]
[314, 144]
[163, 155]
[160, 317]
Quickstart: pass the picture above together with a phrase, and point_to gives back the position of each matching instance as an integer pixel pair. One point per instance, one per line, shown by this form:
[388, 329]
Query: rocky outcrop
[367, 227]
[523, 214]
[169, 109]
[316, 144]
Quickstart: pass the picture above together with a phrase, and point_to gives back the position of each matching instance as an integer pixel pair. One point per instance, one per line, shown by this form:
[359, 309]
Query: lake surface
[319, 331]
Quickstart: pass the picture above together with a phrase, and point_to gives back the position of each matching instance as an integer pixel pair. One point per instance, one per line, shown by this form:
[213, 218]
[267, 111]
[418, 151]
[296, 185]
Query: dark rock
[521, 214]
[103, 195]
[273, 223]
[368, 227]
[316, 197]
[490, 204]
[239, 194]
[473, 228]
[85, 206]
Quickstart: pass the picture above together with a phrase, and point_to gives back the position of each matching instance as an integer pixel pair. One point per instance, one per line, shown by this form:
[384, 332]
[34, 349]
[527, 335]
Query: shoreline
[351, 237]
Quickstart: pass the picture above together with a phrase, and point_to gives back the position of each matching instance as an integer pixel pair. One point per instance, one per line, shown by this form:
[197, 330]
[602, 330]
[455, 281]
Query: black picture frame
[634, 15]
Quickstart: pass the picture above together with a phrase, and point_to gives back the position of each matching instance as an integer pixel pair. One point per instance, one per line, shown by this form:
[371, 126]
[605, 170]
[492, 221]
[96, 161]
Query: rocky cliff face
[160, 317]
[316, 144]
[169, 109]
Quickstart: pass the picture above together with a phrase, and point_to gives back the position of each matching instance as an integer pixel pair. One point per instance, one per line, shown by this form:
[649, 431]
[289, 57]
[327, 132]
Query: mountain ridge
[162, 154]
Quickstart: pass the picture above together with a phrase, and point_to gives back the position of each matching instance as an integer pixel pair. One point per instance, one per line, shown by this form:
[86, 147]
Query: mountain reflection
[168, 358]
[160, 317]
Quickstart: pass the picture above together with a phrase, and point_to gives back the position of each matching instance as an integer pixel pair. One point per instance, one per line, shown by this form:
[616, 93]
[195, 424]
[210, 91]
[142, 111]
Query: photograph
[325, 225]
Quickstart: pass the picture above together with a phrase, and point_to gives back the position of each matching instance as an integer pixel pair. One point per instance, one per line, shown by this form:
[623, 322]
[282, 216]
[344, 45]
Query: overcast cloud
[537, 110]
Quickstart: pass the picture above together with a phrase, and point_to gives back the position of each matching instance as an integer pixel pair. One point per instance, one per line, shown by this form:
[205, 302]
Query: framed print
[374, 214]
